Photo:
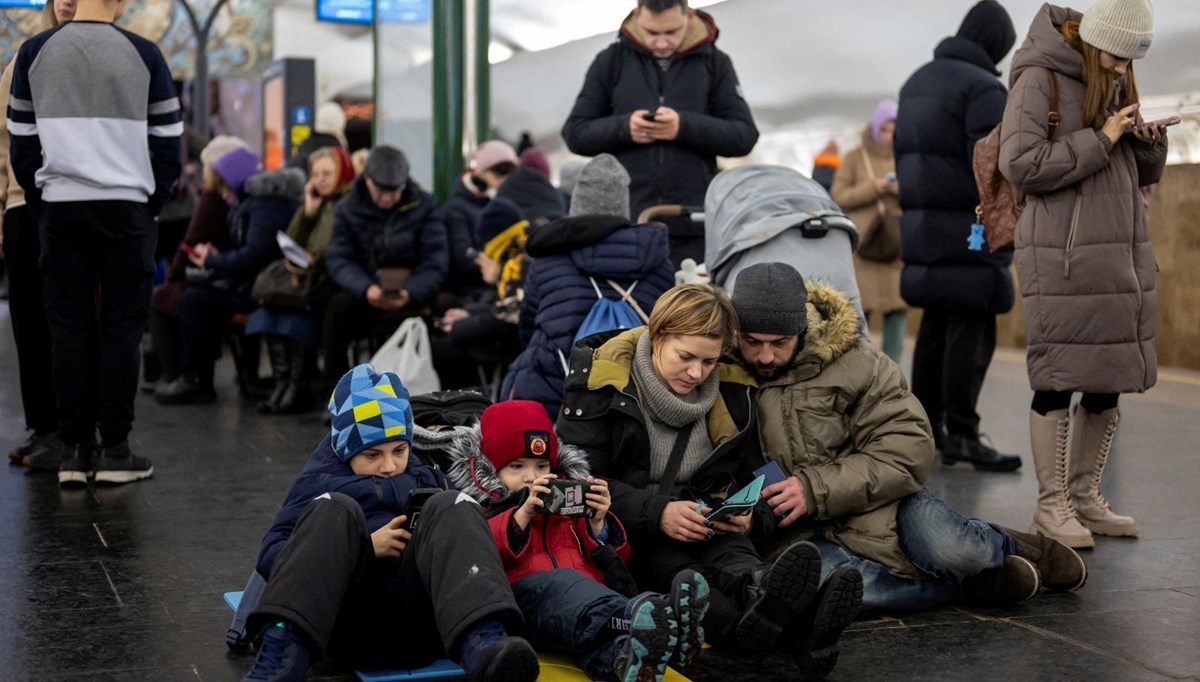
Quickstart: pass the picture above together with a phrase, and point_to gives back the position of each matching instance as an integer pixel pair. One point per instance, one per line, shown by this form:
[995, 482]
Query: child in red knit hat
[567, 571]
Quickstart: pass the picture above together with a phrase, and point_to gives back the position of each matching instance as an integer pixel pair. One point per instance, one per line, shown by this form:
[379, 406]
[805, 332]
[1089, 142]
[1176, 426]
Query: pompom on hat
[367, 408]
[1122, 28]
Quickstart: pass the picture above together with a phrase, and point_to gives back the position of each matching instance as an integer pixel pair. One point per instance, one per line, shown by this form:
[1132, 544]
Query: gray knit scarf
[666, 413]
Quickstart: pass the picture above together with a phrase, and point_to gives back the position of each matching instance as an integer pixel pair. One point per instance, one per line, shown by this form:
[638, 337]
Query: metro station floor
[125, 583]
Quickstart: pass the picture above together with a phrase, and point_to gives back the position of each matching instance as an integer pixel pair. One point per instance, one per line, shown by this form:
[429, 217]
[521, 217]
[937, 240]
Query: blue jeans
[936, 539]
[568, 611]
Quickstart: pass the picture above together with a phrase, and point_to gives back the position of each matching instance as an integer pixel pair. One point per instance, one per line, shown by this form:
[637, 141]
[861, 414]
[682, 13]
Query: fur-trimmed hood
[287, 183]
[456, 450]
[834, 326]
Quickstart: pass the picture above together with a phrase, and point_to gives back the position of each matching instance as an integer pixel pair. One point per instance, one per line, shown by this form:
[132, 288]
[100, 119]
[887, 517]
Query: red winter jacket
[555, 542]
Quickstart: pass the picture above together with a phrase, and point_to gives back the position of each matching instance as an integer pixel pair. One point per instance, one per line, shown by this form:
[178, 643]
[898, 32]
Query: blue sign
[301, 116]
[23, 4]
[363, 11]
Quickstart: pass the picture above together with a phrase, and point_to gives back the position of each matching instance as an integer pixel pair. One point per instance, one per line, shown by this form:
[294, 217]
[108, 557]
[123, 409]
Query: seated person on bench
[346, 576]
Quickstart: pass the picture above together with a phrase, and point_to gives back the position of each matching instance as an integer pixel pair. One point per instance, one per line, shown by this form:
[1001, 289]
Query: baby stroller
[762, 214]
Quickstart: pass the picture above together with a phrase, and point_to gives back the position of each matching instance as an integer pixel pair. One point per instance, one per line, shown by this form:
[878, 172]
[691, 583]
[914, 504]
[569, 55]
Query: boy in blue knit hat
[348, 576]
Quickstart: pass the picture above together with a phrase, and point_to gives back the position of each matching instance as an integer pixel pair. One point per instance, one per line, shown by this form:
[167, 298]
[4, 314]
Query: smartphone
[771, 473]
[187, 248]
[314, 193]
[472, 252]
[416, 500]
[1166, 122]
[567, 498]
[649, 115]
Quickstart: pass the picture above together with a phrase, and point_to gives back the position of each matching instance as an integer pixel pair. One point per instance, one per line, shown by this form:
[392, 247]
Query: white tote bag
[407, 353]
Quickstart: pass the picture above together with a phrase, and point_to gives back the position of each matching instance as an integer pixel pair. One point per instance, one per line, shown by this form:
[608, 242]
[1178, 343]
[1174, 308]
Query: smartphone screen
[649, 115]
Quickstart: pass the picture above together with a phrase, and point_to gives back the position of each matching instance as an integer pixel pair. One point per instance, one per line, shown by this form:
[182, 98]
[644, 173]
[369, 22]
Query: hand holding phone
[649, 115]
[188, 249]
[567, 498]
[412, 509]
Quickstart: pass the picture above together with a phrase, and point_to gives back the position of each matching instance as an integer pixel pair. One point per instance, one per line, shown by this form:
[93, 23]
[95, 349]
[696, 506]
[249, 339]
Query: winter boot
[489, 654]
[815, 634]
[1015, 581]
[778, 593]
[1055, 516]
[1060, 567]
[689, 599]
[651, 642]
[282, 657]
[279, 350]
[296, 397]
[1090, 445]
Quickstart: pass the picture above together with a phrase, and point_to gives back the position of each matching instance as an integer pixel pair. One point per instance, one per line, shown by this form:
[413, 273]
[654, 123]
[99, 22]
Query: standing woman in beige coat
[1083, 251]
[866, 189]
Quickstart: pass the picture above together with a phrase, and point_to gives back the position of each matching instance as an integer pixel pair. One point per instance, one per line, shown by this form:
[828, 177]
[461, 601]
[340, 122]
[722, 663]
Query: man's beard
[775, 370]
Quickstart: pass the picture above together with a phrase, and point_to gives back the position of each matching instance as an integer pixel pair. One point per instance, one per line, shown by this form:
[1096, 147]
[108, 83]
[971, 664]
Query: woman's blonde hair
[212, 180]
[1102, 84]
[49, 18]
[694, 310]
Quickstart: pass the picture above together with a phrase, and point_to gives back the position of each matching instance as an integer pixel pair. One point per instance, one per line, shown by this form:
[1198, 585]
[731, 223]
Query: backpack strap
[1053, 116]
[596, 287]
[627, 296]
[667, 483]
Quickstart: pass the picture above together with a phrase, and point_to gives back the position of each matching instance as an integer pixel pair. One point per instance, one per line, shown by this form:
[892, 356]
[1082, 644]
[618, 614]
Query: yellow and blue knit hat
[368, 408]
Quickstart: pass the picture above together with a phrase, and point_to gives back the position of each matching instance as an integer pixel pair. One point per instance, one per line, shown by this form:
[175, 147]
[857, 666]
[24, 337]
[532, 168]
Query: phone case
[740, 503]
[568, 498]
[772, 472]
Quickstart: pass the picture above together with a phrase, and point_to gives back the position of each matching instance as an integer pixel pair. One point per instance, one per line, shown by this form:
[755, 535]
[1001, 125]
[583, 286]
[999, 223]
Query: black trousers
[478, 338]
[347, 318]
[87, 245]
[950, 359]
[371, 612]
[726, 563]
[27, 309]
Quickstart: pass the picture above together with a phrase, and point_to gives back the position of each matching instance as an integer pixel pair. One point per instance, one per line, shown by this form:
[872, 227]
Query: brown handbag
[277, 287]
[1000, 202]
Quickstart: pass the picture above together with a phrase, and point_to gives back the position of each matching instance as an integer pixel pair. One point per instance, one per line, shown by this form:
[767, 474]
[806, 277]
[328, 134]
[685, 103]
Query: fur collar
[474, 474]
[287, 183]
[834, 326]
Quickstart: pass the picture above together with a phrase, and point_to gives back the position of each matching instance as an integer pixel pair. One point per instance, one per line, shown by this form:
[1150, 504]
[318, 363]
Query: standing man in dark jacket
[387, 221]
[945, 108]
[666, 102]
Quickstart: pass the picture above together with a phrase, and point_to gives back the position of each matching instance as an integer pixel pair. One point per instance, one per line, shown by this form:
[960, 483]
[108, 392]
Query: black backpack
[448, 408]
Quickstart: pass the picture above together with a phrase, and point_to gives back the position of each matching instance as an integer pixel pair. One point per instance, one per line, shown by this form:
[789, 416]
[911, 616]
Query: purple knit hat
[885, 111]
[236, 167]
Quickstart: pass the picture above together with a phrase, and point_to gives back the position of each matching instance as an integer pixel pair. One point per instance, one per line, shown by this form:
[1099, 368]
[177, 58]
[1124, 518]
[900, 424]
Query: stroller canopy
[750, 205]
[762, 214]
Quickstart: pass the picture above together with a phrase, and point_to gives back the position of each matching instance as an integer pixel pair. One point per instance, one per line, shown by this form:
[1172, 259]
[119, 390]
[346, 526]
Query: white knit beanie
[219, 146]
[1122, 28]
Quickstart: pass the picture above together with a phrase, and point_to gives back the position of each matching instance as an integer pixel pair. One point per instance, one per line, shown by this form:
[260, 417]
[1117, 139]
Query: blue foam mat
[437, 670]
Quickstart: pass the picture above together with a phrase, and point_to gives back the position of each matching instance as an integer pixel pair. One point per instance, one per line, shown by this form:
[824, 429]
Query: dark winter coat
[410, 235]
[381, 499]
[559, 295]
[601, 415]
[1083, 250]
[209, 223]
[945, 108]
[540, 202]
[551, 542]
[460, 213]
[268, 202]
[700, 84]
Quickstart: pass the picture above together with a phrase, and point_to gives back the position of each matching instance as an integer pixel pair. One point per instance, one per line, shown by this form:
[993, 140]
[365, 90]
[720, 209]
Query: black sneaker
[117, 464]
[651, 641]
[817, 632]
[282, 657]
[511, 659]
[76, 465]
[977, 453]
[778, 594]
[45, 455]
[689, 600]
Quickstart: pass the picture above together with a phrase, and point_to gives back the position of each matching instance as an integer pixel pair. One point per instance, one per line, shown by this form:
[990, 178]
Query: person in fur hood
[567, 572]
[856, 446]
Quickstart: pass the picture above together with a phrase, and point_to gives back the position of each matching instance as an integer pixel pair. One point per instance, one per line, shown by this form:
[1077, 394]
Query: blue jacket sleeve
[433, 258]
[25, 146]
[346, 255]
[527, 321]
[164, 125]
[593, 127]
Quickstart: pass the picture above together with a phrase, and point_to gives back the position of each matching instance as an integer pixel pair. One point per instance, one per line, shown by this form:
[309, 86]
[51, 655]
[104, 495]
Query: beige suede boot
[1090, 445]
[1055, 517]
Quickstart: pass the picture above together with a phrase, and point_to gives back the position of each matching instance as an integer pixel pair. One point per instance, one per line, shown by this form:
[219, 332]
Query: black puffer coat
[945, 108]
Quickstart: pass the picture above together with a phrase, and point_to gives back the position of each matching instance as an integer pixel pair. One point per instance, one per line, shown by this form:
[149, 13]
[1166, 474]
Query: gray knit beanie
[602, 189]
[1122, 28]
[770, 298]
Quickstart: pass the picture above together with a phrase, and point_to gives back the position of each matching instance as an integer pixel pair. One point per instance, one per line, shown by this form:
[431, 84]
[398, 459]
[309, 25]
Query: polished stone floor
[125, 583]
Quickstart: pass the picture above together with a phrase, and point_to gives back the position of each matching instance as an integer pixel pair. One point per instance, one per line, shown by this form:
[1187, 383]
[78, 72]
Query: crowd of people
[645, 407]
